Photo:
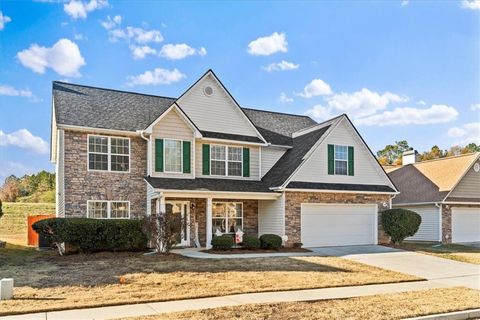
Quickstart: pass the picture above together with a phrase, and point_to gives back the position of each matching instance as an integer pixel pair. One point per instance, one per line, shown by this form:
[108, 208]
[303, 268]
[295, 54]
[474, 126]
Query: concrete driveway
[432, 268]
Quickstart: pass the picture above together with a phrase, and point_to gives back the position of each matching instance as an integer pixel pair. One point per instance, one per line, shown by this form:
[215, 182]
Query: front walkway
[198, 254]
[145, 309]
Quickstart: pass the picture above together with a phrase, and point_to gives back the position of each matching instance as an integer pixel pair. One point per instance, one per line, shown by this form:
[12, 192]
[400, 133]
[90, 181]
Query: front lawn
[387, 306]
[45, 281]
[448, 251]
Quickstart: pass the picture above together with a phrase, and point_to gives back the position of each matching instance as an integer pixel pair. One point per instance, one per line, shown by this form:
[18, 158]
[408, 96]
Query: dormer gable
[211, 107]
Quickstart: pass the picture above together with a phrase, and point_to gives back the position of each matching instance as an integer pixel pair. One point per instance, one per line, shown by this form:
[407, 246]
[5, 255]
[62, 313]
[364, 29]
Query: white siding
[430, 227]
[217, 113]
[270, 156]
[254, 160]
[366, 168]
[469, 186]
[150, 194]
[60, 175]
[174, 127]
[271, 216]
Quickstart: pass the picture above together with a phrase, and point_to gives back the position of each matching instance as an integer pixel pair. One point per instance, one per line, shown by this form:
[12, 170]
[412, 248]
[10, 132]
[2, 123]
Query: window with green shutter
[158, 155]
[340, 160]
[246, 162]
[331, 159]
[186, 157]
[206, 159]
[350, 161]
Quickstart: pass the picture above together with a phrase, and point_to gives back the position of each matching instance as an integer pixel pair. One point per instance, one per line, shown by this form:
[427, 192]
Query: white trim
[228, 141]
[463, 175]
[109, 211]
[179, 112]
[433, 202]
[193, 165]
[460, 202]
[227, 147]
[219, 194]
[440, 222]
[315, 127]
[343, 160]
[109, 153]
[259, 163]
[279, 146]
[181, 156]
[208, 226]
[98, 130]
[182, 205]
[334, 191]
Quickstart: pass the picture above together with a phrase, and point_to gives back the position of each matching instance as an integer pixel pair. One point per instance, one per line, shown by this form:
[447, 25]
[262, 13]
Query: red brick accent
[293, 201]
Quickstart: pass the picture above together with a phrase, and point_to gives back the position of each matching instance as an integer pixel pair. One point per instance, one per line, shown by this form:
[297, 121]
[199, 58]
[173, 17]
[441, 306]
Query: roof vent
[208, 91]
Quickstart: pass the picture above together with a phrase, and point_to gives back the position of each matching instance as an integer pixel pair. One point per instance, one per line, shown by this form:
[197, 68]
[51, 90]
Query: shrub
[400, 224]
[297, 245]
[224, 242]
[93, 235]
[270, 241]
[250, 242]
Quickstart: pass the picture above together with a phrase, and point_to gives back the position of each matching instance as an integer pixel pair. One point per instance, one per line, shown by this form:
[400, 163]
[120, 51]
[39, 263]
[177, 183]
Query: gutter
[142, 135]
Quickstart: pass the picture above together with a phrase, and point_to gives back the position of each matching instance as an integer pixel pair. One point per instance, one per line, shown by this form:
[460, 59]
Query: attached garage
[325, 225]
[429, 229]
[465, 224]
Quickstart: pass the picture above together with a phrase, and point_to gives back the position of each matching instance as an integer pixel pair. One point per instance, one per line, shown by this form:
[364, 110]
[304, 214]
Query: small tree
[1, 210]
[400, 224]
[163, 230]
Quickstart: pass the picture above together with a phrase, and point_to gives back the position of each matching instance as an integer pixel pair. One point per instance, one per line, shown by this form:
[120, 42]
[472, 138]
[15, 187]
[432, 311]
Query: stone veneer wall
[82, 185]
[447, 220]
[293, 201]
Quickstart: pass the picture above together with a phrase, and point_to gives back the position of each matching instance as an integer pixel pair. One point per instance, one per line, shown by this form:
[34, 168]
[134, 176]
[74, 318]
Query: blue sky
[400, 69]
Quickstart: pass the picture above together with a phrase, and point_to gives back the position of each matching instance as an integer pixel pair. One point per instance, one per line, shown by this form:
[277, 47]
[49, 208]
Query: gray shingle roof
[414, 187]
[86, 106]
[339, 186]
[291, 159]
[208, 184]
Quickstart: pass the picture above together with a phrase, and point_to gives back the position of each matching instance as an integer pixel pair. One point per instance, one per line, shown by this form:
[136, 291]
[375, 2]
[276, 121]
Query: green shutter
[331, 159]
[206, 159]
[186, 157]
[350, 161]
[246, 162]
[158, 155]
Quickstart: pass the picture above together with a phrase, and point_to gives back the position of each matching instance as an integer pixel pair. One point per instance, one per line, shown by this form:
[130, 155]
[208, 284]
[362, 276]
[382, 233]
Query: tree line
[392, 153]
[15, 187]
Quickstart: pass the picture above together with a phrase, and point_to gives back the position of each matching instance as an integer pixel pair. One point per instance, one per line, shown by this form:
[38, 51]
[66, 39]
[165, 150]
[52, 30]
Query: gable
[367, 169]
[172, 125]
[469, 185]
[217, 112]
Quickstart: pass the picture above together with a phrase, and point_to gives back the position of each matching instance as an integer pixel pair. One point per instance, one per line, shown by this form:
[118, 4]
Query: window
[108, 154]
[227, 217]
[226, 160]
[173, 155]
[341, 160]
[108, 209]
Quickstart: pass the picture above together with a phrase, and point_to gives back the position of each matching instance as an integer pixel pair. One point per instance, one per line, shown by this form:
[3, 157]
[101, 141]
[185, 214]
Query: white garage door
[465, 224]
[338, 225]
[429, 229]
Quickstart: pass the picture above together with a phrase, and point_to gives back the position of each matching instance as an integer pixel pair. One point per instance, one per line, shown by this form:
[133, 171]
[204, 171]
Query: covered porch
[206, 214]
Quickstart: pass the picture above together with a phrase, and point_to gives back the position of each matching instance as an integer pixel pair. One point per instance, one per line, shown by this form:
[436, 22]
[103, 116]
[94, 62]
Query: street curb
[458, 315]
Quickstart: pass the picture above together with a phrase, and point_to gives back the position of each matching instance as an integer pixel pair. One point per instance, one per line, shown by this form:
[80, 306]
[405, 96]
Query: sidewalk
[144, 309]
[198, 254]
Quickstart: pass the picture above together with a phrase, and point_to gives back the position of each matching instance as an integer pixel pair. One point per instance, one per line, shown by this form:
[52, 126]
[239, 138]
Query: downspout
[142, 135]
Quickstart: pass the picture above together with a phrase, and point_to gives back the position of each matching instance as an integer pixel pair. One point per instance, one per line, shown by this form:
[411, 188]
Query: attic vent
[208, 91]
[476, 167]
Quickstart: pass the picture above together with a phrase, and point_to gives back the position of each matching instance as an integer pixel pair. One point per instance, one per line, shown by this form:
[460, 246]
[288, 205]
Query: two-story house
[220, 166]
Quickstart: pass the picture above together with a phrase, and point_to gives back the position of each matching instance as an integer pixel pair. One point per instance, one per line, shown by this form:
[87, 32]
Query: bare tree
[164, 230]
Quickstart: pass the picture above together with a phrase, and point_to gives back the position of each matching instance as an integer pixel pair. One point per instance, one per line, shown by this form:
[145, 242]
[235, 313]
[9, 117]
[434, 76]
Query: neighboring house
[445, 192]
[222, 167]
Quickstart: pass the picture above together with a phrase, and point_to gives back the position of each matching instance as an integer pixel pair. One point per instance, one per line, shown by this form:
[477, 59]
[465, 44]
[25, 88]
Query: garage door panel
[429, 229]
[336, 225]
[465, 224]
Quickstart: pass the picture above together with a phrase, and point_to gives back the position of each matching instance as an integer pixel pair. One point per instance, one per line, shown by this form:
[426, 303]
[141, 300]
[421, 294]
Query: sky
[401, 70]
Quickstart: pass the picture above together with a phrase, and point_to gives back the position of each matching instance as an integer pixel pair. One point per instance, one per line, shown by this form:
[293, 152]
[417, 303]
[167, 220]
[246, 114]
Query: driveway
[444, 271]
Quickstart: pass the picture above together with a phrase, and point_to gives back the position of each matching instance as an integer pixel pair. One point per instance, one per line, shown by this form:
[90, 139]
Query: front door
[181, 208]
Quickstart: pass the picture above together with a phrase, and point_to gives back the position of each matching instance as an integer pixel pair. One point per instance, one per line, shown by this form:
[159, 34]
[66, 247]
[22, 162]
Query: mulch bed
[240, 250]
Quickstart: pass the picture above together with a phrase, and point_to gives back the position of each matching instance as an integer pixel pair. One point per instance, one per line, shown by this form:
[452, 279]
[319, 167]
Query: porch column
[161, 206]
[209, 223]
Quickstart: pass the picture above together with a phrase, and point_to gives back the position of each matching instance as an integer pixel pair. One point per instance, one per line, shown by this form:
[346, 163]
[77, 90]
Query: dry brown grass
[387, 306]
[48, 282]
[448, 251]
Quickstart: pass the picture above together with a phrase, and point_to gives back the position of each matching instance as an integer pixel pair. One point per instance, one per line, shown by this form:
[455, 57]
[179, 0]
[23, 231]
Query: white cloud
[78, 36]
[3, 20]
[319, 112]
[63, 57]
[408, 116]
[471, 4]
[281, 66]
[156, 77]
[467, 133]
[79, 9]
[180, 51]
[404, 3]
[111, 23]
[25, 140]
[316, 87]
[265, 46]
[475, 107]
[421, 102]
[135, 34]
[11, 91]
[140, 52]
[284, 98]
